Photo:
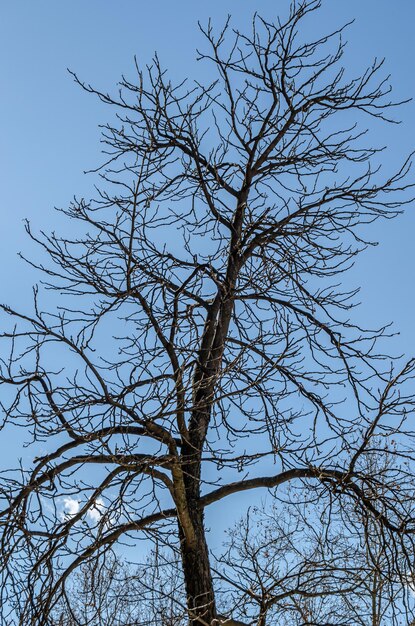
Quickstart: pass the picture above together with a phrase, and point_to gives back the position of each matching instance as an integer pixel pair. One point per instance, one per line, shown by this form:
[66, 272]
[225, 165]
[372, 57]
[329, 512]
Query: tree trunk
[197, 573]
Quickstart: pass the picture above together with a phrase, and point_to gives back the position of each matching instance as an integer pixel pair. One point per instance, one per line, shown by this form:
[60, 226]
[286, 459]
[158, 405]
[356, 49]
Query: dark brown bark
[195, 558]
[197, 572]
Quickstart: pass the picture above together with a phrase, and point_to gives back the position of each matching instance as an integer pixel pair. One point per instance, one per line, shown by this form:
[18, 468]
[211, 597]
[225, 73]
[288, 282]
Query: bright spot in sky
[71, 507]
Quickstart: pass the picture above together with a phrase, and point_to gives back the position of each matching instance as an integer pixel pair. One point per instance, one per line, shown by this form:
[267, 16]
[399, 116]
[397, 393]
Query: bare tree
[201, 345]
[109, 592]
[299, 565]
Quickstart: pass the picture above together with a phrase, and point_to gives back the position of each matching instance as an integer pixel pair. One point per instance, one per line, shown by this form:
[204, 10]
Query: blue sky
[48, 126]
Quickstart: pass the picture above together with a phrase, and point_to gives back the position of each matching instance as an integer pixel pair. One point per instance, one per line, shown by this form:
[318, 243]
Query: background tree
[206, 344]
[109, 592]
[297, 564]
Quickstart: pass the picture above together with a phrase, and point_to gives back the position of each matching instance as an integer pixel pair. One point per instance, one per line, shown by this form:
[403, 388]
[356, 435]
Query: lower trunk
[197, 575]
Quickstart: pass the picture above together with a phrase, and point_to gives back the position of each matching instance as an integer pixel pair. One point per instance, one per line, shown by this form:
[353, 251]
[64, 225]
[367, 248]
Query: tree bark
[195, 558]
[197, 572]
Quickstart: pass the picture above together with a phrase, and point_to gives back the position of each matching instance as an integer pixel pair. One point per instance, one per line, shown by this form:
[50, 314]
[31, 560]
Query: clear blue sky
[48, 126]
